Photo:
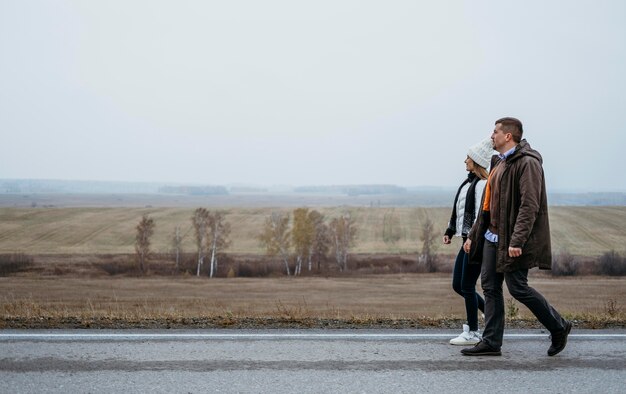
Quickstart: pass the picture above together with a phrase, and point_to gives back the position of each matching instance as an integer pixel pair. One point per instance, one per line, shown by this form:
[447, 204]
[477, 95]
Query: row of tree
[307, 239]
[310, 238]
[211, 232]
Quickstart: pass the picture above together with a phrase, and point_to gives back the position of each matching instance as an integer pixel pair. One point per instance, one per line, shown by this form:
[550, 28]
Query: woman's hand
[467, 246]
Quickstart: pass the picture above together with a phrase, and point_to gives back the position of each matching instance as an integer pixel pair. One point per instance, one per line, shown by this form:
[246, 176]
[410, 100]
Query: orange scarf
[487, 194]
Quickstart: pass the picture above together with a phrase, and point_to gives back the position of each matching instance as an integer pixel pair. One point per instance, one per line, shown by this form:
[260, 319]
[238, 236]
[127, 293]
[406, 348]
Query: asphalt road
[303, 361]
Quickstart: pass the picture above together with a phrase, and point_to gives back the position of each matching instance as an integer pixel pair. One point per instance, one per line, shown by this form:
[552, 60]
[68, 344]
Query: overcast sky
[308, 92]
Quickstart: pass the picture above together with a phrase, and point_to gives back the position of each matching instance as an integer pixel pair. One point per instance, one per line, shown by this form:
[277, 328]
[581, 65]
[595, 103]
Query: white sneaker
[467, 337]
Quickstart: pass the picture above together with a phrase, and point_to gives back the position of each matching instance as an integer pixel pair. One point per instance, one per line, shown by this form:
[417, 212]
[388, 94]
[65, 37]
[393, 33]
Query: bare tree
[177, 246]
[321, 239]
[428, 258]
[343, 235]
[219, 230]
[275, 237]
[145, 229]
[200, 221]
[302, 236]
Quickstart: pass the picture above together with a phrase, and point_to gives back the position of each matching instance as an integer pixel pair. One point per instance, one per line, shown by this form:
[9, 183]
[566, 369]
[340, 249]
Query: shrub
[427, 263]
[611, 307]
[258, 269]
[564, 264]
[612, 264]
[14, 262]
[118, 267]
[512, 310]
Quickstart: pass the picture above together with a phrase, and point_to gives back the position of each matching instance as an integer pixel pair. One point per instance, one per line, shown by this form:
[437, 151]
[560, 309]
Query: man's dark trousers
[517, 283]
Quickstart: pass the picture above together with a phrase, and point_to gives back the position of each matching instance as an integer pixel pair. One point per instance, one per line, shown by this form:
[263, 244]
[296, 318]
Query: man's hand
[515, 252]
[467, 246]
[446, 240]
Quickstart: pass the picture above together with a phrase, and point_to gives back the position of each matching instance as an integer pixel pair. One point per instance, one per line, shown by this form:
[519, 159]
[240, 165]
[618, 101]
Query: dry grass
[586, 231]
[385, 300]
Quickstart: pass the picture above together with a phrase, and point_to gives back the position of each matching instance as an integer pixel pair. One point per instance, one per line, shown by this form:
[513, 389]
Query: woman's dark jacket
[523, 214]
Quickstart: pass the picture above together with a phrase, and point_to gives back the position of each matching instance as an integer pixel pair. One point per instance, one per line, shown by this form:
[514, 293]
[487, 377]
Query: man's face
[499, 138]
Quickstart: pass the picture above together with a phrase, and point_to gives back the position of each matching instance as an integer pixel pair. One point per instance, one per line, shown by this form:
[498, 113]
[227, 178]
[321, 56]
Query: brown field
[68, 287]
[584, 231]
[375, 300]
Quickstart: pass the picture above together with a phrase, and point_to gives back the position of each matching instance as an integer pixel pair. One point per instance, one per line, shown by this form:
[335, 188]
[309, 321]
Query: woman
[464, 211]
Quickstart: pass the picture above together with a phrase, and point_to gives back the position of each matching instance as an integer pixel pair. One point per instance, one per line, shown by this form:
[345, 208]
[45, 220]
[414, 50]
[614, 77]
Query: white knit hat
[481, 153]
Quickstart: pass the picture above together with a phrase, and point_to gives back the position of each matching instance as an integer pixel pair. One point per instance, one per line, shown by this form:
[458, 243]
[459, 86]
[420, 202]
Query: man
[513, 234]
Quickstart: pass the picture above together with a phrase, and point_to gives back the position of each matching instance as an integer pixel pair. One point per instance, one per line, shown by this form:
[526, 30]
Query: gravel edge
[270, 323]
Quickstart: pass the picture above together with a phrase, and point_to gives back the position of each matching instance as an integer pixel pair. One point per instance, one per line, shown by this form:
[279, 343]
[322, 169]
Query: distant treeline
[386, 195]
[194, 190]
[248, 189]
[352, 190]
[39, 186]
[594, 199]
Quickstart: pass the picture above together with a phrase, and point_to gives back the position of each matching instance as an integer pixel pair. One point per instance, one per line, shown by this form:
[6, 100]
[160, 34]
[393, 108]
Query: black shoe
[481, 349]
[559, 340]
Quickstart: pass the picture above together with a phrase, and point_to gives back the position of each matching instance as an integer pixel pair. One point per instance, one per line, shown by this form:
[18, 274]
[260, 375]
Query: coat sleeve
[530, 184]
[478, 198]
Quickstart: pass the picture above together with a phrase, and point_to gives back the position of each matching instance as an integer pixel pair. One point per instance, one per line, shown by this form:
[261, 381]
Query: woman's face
[469, 164]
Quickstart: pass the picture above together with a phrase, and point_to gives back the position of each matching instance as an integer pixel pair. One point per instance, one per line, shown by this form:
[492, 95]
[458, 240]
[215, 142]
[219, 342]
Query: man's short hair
[513, 126]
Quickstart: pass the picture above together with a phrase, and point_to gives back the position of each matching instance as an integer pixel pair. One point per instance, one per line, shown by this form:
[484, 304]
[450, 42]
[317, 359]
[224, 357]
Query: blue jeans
[464, 279]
